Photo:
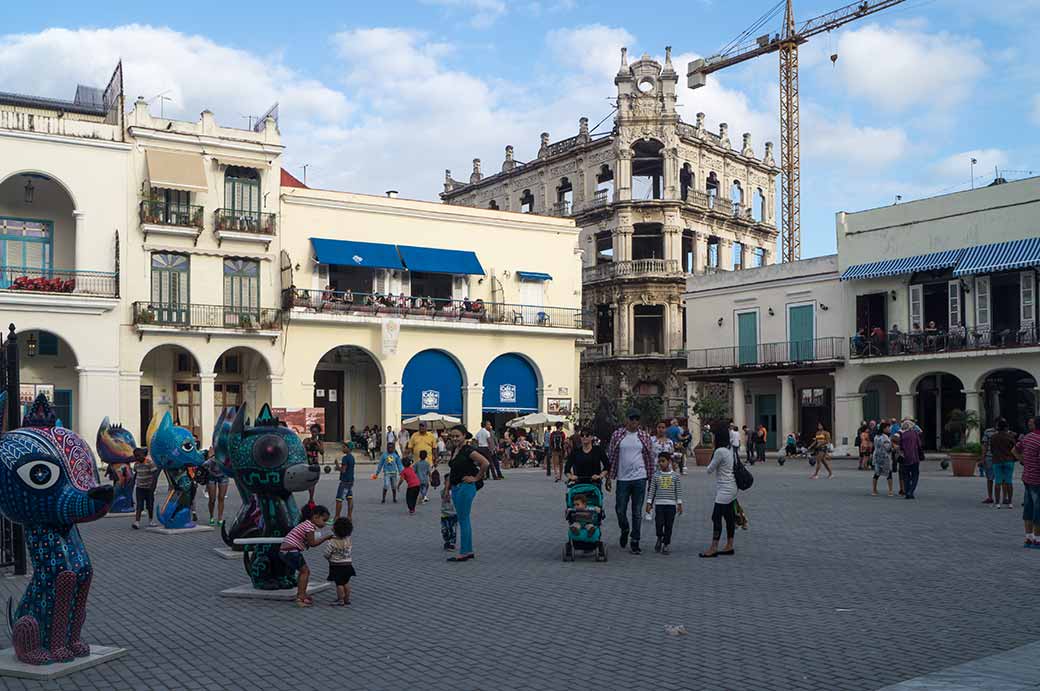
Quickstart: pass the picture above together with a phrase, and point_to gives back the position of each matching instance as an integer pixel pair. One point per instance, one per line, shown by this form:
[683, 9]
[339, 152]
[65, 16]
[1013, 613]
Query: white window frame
[954, 304]
[919, 299]
[1027, 298]
[983, 309]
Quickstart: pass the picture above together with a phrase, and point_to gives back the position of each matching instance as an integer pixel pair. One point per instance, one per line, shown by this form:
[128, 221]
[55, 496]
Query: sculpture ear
[238, 425]
[103, 428]
[166, 423]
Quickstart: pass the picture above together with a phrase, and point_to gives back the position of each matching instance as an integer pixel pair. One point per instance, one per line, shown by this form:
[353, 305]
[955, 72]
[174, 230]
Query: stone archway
[347, 382]
[1010, 394]
[937, 394]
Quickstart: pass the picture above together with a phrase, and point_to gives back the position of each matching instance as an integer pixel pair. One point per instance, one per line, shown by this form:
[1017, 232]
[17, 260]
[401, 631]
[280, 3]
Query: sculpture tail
[10, 616]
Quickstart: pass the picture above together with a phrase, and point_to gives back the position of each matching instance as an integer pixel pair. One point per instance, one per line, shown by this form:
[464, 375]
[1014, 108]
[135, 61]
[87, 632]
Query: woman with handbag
[722, 465]
[467, 470]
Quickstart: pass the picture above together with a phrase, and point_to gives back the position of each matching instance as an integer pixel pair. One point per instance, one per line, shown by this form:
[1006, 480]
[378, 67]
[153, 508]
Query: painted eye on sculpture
[188, 446]
[39, 474]
[270, 451]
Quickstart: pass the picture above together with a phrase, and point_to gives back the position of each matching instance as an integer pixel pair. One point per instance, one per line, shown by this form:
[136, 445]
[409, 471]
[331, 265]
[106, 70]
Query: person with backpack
[723, 463]
[557, 439]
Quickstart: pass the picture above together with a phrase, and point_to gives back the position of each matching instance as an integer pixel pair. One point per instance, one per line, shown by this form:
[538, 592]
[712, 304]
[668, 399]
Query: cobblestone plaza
[829, 589]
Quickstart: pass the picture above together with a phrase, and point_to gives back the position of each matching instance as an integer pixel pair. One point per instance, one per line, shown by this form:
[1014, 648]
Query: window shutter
[1027, 297]
[982, 306]
[157, 276]
[916, 307]
[953, 291]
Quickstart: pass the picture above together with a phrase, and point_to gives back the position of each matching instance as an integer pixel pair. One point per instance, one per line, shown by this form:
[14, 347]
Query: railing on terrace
[62, 281]
[238, 221]
[192, 316]
[599, 198]
[478, 311]
[562, 208]
[930, 342]
[768, 354]
[159, 212]
[632, 267]
[597, 351]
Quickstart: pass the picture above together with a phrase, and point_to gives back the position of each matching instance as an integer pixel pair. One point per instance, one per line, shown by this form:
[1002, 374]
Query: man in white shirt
[734, 438]
[391, 436]
[631, 455]
[486, 447]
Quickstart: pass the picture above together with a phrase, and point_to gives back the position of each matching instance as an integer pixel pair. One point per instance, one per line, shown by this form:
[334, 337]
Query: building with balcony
[774, 339]
[395, 308]
[941, 308]
[656, 199]
[63, 190]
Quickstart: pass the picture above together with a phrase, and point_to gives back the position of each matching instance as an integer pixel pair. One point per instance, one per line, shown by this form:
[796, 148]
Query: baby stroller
[589, 537]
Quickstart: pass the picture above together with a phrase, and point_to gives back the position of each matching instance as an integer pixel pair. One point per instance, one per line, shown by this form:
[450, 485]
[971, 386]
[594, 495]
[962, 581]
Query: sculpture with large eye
[115, 447]
[174, 450]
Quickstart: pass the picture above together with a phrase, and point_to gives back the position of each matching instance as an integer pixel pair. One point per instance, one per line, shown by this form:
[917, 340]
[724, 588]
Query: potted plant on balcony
[710, 408]
[245, 321]
[964, 455]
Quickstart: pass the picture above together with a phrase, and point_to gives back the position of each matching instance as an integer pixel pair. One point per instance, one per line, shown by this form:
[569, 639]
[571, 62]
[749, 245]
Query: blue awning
[431, 383]
[905, 265]
[533, 276]
[439, 261]
[372, 255]
[510, 386]
[999, 256]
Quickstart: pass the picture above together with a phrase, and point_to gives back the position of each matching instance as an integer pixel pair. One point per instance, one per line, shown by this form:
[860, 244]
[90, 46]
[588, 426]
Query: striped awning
[905, 265]
[999, 256]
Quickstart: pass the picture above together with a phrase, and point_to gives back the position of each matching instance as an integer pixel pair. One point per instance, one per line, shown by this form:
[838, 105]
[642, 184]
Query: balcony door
[242, 197]
[25, 249]
[241, 293]
[170, 298]
[800, 327]
[747, 338]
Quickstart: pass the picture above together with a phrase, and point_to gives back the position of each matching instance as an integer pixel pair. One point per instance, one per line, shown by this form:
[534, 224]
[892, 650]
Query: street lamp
[32, 345]
[973, 162]
[30, 191]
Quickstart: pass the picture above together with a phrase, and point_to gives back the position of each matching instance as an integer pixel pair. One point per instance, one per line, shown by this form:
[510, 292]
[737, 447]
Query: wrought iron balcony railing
[767, 354]
[952, 341]
[59, 281]
[597, 351]
[193, 316]
[238, 221]
[159, 212]
[561, 209]
[630, 269]
[478, 311]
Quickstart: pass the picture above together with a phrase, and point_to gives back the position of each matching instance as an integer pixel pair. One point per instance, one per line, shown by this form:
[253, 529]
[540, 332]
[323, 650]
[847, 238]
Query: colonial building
[656, 199]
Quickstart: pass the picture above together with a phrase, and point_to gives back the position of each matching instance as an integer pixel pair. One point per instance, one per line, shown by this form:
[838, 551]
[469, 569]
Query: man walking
[631, 456]
[486, 447]
[556, 442]
[423, 440]
[910, 442]
[1028, 452]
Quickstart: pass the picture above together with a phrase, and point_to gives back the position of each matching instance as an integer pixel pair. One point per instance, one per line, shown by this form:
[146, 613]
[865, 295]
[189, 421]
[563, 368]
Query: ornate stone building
[656, 199]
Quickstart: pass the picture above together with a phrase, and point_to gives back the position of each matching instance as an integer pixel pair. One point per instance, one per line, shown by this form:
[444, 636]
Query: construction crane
[786, 43]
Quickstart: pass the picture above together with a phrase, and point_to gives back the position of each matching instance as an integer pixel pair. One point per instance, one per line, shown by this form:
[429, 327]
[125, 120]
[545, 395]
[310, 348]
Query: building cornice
[55, 303]
[64, 139]
[205, 140]
[304, 316]
[438, 214]
[744, 286]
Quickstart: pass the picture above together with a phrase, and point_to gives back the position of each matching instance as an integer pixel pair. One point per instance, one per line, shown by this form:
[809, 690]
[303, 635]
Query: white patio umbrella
[536, 420]
[434, 421]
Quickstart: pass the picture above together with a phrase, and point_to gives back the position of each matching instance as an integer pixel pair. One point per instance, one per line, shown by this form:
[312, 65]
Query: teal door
[747, 338]
[800, 332]
[765, 414]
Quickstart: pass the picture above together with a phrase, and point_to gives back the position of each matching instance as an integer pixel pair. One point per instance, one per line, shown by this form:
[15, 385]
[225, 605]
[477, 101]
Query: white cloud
[895, 69]
[839, 141]
[595, 50]
[958, 166]
[482, 13]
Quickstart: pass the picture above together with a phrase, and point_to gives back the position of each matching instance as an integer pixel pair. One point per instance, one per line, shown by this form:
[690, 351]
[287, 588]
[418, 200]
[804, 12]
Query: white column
[97, 395]
[788, 419]
[630, 317]
[906, 405]
[848, 414]
[129, 405]
[725, 255]
[277, 391]
[82, 243]
[207, 404]
[623, 178]
[666, 336]
[700, 252]
[693, 421]
[391, 405]
[473, 406]
[739, 409]
[623, 243]
[972, 401]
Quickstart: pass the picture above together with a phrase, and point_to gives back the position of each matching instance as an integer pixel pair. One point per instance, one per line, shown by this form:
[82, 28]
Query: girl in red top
[411, 478]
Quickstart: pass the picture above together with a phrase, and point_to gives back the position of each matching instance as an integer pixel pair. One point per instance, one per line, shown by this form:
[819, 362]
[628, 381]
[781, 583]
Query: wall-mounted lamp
[30, 191]
[720, 321]
[32, 346]
[480, 280]
[771, 312]
[965, 286]
[893, 296]
[297, 266]
[824, 307]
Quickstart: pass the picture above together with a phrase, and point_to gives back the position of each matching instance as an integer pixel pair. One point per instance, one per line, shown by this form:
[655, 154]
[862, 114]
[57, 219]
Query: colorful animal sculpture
[174, 451]
[115, 446]
[248, 522]
[49, 483]
[269, 460]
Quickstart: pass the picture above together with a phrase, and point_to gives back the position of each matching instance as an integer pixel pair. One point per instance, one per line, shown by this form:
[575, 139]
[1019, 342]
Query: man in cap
[631, 456]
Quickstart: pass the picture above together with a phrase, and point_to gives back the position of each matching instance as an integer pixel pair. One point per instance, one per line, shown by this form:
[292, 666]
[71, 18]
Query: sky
[378, 96]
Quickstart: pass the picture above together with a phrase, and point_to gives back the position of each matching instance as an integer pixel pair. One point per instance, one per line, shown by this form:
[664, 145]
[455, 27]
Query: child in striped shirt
[298, 539]
[666, 499]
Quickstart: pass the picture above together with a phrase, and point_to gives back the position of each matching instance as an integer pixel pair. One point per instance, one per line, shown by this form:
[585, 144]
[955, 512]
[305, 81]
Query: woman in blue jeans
[468, 468]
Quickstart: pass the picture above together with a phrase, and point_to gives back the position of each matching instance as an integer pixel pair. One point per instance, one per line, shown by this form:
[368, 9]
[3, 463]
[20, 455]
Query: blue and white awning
[999, 256]
[534, 276]
[906, 265]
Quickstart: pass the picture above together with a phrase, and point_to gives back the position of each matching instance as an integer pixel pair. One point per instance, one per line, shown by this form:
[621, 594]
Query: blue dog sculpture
[173, 449]
[49, 483]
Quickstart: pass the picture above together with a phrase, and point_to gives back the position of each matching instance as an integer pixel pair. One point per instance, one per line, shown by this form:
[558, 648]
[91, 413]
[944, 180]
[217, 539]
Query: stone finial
[508, 164]
[698, 126]
[624, 58]
[746, 149]
[583, 128]
[767, 159]
[449, 184]
[668, 56]
[724, 134]
[543, 150]
[475, 176]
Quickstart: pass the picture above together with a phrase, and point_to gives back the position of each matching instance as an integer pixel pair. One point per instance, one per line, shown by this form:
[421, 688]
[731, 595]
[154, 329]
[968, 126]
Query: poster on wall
[559, 406]
[27, 393]
[391, 330]
[299, 420]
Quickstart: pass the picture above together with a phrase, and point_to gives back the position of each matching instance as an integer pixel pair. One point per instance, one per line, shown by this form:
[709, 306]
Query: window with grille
[241, 290]
[242, 192]
[170, 297]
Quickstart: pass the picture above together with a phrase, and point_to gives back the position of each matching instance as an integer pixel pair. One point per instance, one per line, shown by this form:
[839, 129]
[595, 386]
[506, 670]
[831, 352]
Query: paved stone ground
[830, 589]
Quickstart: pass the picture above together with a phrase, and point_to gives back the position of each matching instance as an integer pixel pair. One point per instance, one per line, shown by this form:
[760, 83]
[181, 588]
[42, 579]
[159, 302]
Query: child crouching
[296, 541]
[338, 552]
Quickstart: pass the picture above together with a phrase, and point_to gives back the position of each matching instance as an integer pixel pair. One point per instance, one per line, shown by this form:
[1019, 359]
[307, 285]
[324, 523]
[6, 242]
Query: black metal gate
[12, 536]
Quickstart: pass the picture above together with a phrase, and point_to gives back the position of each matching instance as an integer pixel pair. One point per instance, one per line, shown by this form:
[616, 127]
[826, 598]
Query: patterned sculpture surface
[248, 522]
[49, 483]
[173, 450]
[270, 463]
[115, 446]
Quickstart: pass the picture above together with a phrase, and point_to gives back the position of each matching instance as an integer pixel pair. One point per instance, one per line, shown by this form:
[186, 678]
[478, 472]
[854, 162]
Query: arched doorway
[1008, 393]
[242, 376]
[510, 389]
[37, 231]
[432, 383]
[48, 366]
[170, 383]
[937, 395]
[880, 398]
[346, 386]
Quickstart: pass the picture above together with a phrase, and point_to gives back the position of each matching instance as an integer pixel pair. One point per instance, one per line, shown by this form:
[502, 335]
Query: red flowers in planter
[44, 285]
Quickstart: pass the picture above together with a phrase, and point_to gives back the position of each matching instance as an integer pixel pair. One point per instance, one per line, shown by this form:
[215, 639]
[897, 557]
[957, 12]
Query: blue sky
[387, 95]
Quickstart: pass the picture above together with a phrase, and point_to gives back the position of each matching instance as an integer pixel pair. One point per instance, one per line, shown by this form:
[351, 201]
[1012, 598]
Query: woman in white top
[662, 444]
[725, 494]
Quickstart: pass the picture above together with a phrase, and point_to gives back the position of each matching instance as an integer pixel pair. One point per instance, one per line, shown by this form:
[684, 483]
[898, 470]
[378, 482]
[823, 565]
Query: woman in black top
[468, 467]
[587, 462]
